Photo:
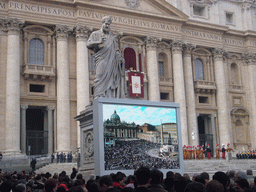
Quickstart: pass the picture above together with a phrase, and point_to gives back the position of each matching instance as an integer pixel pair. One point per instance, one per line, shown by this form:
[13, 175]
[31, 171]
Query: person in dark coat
[33, 164]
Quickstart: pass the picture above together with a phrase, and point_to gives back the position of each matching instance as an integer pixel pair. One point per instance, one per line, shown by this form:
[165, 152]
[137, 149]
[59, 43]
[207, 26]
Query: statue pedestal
[86, 164]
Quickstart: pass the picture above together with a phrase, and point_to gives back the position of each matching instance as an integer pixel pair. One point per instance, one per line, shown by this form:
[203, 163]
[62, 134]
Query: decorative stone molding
[249, 58]
[152, 42]
[11, 25]
[177, 46]
[23, 106]
[50, 108]
[188, 48]
[3, 26]
[82, 32]
[163, 45]
[62, 32]
[219, 53]
[132, 3]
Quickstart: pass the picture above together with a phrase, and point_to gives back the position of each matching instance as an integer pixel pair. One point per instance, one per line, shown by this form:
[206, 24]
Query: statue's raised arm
[109, 63]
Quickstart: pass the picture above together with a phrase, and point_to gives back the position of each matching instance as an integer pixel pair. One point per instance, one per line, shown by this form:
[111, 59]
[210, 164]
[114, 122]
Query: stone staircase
[190, 166]
[211, 166]
[57, 168]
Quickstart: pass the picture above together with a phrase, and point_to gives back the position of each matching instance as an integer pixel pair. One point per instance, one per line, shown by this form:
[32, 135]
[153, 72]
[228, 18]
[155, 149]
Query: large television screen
[129, 134]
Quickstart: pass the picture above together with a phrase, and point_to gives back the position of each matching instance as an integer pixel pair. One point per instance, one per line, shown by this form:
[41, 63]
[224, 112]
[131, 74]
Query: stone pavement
[190, 166]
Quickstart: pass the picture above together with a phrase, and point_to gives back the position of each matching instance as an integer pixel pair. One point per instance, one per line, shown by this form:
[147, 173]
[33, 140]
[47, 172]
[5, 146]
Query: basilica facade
[198, 53]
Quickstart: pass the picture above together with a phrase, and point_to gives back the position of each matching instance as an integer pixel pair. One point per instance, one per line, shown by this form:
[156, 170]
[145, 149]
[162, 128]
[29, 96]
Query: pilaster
[50, 110]
[23, 128]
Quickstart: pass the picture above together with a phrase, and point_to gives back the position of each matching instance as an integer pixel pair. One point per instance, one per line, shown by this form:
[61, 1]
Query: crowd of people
[134, 154]
[143, 180]
[62, 157]
[251, 154]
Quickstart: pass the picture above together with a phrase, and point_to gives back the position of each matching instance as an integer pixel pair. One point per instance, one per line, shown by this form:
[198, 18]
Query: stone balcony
[204, 86]
[39, 72]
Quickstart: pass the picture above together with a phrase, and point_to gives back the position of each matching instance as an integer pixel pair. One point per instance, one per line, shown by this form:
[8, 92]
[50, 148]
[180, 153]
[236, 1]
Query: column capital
[62, 32]
[188, 48]
[50, 108]
[23, 106]
[3, 26]
[82, 32]
[249, 58]
[13, 26]
[177, 46]
[152, 42]
[219, 53]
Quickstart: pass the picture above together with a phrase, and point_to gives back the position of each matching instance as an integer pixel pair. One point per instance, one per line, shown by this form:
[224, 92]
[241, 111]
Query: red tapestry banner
[136, 86]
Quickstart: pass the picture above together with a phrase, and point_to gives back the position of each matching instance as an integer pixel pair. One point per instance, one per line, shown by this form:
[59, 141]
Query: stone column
[63, 101]
[82, 73]
[222, 101]
[23, 128]
[12, 116]
[152, 69]
[50, 111]
[179, 87]
[193, 137]
[250, 60]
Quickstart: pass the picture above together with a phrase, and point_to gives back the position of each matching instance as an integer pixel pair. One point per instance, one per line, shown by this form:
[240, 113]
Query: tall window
[199, 68]
[36, 52]
[130, 58]
[161, 68]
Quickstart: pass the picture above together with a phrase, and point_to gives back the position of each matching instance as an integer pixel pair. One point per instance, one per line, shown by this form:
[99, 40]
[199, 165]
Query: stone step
[57, 168]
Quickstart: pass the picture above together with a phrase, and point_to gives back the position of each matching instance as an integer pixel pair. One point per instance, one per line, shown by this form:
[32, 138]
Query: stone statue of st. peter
[109, 63]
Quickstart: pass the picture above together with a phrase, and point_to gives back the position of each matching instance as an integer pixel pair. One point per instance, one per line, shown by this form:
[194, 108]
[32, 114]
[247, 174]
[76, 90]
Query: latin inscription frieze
[41, 9]
[55, 11]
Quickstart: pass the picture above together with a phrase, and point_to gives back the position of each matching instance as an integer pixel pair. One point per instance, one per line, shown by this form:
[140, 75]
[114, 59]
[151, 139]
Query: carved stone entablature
[219, 53]
[82, 32]
[188, 48]
[208, 87]
[177, 45]
[152, 42]
[249, 58]
[62, 32]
